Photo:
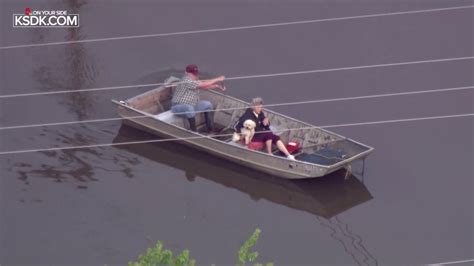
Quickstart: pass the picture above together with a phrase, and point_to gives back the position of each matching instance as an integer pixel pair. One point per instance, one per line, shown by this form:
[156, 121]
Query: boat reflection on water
[324, 197]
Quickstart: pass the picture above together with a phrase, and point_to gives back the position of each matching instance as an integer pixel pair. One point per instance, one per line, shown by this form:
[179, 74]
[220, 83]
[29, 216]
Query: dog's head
[249, 124]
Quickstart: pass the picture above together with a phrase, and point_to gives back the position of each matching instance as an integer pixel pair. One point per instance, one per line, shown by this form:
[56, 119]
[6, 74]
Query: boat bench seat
[178, 120]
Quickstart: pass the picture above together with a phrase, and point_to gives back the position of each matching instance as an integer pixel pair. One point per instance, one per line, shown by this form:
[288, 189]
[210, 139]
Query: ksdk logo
[45, 18]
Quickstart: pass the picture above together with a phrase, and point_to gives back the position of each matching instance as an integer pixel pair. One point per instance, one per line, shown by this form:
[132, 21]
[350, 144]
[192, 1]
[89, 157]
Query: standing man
[186, 101]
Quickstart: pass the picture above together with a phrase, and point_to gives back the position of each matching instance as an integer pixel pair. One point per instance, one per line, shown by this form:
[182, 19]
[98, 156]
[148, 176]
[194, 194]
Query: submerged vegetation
[159, 256]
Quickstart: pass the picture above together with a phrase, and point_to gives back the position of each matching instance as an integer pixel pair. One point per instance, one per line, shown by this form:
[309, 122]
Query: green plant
[244, 254]
[158, 256]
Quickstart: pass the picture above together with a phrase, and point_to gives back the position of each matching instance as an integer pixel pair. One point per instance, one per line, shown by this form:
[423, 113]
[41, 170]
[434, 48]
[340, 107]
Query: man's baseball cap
[193, 69]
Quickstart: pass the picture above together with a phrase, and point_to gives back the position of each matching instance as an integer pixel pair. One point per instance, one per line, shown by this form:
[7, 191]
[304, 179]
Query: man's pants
[189, 111]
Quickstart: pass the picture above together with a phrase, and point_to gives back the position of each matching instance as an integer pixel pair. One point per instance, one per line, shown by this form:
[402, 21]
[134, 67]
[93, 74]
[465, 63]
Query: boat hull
[260, 161]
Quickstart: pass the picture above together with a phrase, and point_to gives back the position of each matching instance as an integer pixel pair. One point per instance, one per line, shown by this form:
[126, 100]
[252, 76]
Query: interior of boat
[316, 145]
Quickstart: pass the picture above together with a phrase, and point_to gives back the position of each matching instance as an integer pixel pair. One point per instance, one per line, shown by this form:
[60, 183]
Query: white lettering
[53, 21]
[61, 20]
[26, 21]
[34, 21]
[72, 20]
[18, 21]
[42, 21]
[45, 21]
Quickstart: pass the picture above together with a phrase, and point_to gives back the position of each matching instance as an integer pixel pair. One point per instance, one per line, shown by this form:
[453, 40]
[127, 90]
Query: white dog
[247, 131]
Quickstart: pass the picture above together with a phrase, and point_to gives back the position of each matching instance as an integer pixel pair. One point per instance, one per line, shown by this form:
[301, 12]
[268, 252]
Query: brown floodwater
[96, 206]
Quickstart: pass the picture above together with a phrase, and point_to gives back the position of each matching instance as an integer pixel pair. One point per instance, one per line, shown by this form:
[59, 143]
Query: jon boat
[321, 151]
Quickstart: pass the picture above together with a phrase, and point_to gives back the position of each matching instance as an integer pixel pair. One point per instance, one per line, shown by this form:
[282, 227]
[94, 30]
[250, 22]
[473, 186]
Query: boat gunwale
[299, 175]
[326, 168]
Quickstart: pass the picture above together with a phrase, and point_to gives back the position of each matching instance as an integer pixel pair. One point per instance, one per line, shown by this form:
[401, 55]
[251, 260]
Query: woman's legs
[282, 147]
[269, 139]
[269, 145]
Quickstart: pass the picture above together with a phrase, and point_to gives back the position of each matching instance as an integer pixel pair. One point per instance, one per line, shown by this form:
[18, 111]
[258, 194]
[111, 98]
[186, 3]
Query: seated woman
[262, 129]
